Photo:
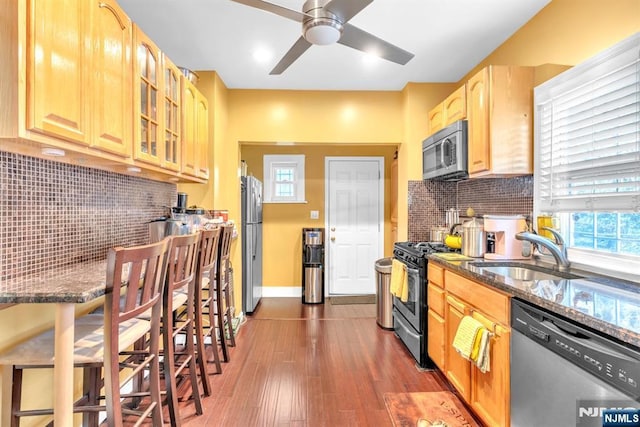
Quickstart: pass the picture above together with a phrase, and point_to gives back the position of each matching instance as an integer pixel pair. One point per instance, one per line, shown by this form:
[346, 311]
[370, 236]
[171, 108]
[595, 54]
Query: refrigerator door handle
[255, 244]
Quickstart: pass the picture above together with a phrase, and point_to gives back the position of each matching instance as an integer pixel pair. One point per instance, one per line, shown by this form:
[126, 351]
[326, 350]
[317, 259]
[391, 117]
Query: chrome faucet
[558, 249]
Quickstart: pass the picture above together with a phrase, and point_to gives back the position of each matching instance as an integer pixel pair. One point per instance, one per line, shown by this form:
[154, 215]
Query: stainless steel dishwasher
[563, 374]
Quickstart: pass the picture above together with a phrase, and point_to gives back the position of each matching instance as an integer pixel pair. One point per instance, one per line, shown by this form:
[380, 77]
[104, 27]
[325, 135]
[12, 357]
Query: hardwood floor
[310, 365]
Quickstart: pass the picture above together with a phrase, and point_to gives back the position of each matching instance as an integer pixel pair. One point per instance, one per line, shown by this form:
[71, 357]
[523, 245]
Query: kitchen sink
[520, 272]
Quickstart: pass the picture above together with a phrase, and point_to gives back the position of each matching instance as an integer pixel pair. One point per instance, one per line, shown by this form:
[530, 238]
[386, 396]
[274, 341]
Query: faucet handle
[557, 236]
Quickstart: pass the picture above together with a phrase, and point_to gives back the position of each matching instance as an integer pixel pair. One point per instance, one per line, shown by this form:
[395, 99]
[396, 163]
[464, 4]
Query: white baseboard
[281, 291]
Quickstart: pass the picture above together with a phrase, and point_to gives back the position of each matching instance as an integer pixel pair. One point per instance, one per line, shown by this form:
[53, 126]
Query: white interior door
[355, 232]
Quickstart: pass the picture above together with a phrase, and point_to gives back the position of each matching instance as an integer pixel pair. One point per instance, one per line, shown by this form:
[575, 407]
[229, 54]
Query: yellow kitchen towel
[465, 337]
[398, 278]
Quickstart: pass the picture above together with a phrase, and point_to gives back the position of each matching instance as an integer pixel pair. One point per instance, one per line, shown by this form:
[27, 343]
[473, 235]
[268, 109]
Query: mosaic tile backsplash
[54, 214]
[428, 200]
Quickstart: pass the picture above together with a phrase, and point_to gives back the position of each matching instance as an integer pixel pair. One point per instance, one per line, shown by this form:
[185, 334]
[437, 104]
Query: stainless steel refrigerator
[251, 243]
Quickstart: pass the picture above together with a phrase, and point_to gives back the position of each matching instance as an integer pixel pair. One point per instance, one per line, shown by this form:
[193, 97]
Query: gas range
[410, 315]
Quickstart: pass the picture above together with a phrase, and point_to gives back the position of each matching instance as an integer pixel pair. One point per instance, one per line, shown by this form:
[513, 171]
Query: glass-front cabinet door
[147, 92]
[172, 106]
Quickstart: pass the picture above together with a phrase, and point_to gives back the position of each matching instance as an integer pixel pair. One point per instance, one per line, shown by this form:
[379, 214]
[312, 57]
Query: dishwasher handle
[576, 336]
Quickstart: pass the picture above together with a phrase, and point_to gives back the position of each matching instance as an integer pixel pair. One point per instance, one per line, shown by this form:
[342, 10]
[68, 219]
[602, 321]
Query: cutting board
[451, 256]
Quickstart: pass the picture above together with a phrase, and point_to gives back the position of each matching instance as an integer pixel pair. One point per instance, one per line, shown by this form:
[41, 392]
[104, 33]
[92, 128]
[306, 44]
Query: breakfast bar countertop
[73, 284]
[604, 304]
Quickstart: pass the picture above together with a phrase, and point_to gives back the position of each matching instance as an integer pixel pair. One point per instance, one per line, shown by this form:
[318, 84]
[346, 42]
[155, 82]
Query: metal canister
[473, 239]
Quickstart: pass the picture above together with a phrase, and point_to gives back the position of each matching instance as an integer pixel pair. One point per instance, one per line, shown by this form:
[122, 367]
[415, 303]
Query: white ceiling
[448, 38]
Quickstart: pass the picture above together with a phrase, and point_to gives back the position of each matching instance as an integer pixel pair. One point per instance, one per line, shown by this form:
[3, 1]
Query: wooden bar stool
[179, 294]
[222, 290]
[205, 294]
[138, 275]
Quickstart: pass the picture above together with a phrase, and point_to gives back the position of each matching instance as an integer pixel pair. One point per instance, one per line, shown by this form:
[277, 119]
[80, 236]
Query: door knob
[333, 229]
[333, 238]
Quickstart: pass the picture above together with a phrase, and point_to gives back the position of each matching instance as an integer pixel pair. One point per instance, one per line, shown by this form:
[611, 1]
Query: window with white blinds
[587, 134]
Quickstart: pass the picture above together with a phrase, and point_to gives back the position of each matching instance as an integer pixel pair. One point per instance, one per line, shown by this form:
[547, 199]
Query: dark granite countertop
[602, 303]
[75, 283]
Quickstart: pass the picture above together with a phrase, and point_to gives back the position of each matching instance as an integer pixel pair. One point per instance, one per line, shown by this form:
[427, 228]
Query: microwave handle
[441, 154]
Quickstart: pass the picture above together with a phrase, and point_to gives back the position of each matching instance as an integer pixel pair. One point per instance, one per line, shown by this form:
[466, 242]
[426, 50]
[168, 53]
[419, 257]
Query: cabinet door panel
[147, 134]
[436, 119]
[57, 79]
[457, 369]
[189, 129]
[455, 106]
[172, 105]
[112, 88]
[202, 136]
[479, 149]
[436, 339]
[490, 390]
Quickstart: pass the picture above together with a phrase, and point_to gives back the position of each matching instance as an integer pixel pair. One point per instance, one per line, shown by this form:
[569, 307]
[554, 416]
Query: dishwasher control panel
[593, 352]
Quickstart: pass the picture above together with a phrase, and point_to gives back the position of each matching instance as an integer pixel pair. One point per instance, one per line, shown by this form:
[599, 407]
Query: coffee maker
[503, 229]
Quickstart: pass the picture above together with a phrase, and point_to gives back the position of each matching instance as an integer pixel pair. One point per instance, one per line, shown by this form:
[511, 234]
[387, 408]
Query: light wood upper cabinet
[58, 55]
[453, 108]
[436, 118]
[172, 101]
[202, 136]
[500, 121]
[189, 99]
[195, 133]
[112, 79]
[147, 99]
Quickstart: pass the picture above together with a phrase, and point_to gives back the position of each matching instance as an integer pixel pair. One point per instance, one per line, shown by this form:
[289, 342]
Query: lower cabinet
[488, 394]
[457, 369]
[435, 342]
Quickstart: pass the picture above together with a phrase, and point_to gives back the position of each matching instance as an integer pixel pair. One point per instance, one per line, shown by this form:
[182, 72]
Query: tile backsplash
[428, 200]
[54, 214]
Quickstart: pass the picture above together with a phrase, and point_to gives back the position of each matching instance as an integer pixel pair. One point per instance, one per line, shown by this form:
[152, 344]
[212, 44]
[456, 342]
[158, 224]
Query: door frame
[381, 187]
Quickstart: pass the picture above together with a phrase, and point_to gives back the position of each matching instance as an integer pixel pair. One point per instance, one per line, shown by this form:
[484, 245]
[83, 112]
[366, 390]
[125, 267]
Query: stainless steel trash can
[384, 299]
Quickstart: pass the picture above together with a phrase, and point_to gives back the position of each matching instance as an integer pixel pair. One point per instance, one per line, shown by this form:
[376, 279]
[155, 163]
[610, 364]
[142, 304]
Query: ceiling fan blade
[361, 40]
[346, 9]
[274, 8]
[298, 48]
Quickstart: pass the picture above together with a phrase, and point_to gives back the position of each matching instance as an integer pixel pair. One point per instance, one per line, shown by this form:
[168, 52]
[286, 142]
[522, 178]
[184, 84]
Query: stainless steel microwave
[444, 154]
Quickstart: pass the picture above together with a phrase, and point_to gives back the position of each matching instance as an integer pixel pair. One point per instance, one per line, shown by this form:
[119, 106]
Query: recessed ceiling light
[55, 152]
[370, 59]
[134, 169]
[262, 55]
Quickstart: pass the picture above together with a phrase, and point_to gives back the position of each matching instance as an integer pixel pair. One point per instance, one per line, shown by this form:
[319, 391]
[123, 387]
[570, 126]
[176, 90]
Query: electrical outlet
[315, 214]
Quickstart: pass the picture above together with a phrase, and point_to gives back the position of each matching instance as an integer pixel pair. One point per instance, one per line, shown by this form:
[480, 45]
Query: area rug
[353, 299]
[437, 408]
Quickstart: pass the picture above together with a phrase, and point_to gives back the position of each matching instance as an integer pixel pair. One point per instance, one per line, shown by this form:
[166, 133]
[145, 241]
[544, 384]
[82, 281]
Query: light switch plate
[315, 214]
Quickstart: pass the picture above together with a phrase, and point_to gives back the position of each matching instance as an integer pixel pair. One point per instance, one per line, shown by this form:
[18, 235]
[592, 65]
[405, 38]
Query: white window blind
[587, 134]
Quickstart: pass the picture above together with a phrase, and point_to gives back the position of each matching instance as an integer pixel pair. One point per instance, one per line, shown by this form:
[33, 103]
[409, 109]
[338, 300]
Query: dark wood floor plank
[302, 365]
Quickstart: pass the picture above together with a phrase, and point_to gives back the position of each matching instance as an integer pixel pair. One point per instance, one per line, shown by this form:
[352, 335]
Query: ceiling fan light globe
[322, 34]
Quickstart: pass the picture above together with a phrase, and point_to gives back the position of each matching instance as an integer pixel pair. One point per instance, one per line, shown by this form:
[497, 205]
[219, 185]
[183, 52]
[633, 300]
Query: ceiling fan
[326, 22]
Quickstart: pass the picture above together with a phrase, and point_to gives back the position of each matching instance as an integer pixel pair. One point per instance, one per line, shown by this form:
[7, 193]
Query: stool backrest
[138, 274]
[182, 263]
[225, 244]
[209, 245]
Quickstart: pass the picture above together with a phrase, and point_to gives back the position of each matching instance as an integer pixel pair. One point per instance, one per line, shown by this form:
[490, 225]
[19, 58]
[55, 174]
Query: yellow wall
[283, 223]
[567, 32]
[564, 32]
